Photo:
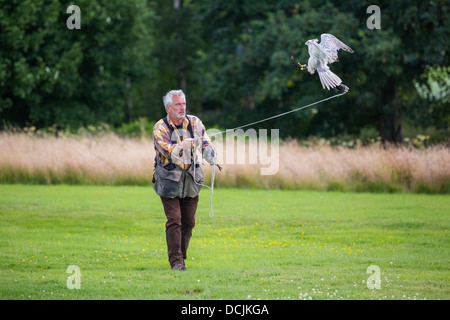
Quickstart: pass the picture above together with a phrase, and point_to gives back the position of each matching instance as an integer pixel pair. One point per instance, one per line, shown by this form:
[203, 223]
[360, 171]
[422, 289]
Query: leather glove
[209, 154]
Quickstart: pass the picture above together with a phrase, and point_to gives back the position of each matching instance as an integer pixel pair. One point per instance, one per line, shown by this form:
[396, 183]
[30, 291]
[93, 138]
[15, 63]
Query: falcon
[323, 53]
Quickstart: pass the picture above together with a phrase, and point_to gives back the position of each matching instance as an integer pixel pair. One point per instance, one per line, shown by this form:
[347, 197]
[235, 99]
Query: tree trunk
[181, 63]
[390, 114]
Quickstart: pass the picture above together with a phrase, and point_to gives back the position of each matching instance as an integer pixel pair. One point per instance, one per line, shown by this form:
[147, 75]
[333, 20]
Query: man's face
[177, 110]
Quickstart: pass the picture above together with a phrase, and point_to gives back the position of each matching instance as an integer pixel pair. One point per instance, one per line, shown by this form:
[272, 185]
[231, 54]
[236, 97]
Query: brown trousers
[180, 213]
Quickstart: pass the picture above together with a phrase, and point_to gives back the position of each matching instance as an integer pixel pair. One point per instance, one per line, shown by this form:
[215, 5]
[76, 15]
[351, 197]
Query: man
[178, 178]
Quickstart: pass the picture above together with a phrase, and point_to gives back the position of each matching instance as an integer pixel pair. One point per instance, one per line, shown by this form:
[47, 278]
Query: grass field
[259, 245]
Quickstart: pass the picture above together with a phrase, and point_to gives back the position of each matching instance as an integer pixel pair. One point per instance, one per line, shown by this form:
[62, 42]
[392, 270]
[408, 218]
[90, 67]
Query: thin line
[279, 115]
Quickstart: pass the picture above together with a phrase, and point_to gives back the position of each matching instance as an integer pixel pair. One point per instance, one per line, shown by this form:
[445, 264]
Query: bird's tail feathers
[329, 79]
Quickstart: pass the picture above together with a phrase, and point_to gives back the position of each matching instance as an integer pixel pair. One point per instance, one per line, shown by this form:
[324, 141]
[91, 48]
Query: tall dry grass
[73, 159]
[110, 159]
[370, 168]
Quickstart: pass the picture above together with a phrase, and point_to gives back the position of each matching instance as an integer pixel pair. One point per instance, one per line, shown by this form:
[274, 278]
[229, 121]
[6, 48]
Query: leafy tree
[252, 44]
[53, 75]
[413, 37]
[231, 57]
[178, 49]
[254, 77]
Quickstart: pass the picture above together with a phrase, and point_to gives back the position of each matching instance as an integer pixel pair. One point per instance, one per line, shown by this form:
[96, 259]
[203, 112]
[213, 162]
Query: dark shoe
[179, 267]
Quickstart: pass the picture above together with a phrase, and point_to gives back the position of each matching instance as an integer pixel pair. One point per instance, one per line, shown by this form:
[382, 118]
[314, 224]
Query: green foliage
[231, 57]
[434, 88]
[139, 128]
[54, 75]
[255, 77]
[410, 39]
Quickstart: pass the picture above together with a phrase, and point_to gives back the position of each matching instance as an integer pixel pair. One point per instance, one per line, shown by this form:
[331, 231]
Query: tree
[231, 57]
[413, 36]
[53, 75]
[254, 77]
[252, 45]
[177, 50]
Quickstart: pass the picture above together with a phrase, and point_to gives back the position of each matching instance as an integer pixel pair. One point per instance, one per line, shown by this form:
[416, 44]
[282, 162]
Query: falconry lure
[320, 55]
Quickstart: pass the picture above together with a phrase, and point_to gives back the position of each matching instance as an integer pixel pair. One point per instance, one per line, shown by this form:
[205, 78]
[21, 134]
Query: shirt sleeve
[161, 139]
[200, 132]
[207, 146]
[206, 139]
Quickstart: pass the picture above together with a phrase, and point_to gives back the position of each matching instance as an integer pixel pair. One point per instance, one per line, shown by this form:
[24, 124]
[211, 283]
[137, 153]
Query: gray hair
[167, 99]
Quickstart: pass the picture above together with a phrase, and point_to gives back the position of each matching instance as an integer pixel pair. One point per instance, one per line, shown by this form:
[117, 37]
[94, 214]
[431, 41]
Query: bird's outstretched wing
[332, 45]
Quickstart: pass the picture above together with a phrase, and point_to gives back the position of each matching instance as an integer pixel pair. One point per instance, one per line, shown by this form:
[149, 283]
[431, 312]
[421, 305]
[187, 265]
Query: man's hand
[187, 143]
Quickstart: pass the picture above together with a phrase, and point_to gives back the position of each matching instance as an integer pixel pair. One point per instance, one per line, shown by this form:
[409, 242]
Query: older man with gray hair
[178, 179]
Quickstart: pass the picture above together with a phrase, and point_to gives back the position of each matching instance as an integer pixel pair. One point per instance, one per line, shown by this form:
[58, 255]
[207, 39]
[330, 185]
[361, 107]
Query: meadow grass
[260, 244]
[108, 159]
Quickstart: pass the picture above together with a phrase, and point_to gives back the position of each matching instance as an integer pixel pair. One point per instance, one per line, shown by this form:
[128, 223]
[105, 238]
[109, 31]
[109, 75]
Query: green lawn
[259, 245]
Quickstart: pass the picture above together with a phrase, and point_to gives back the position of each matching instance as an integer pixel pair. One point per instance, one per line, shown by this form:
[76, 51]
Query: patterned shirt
[163, 141]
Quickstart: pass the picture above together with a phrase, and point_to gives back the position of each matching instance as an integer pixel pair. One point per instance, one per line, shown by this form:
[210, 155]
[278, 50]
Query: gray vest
[173, 181]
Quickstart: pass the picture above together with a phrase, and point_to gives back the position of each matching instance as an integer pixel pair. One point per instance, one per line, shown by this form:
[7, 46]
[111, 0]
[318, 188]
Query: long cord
[278, 115]
[213, 173]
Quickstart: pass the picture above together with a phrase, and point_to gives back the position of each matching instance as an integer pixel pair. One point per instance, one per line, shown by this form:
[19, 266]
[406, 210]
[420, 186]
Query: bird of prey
[320, 54]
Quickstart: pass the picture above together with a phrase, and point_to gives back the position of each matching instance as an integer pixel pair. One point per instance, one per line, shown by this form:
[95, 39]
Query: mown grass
[259, 245]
